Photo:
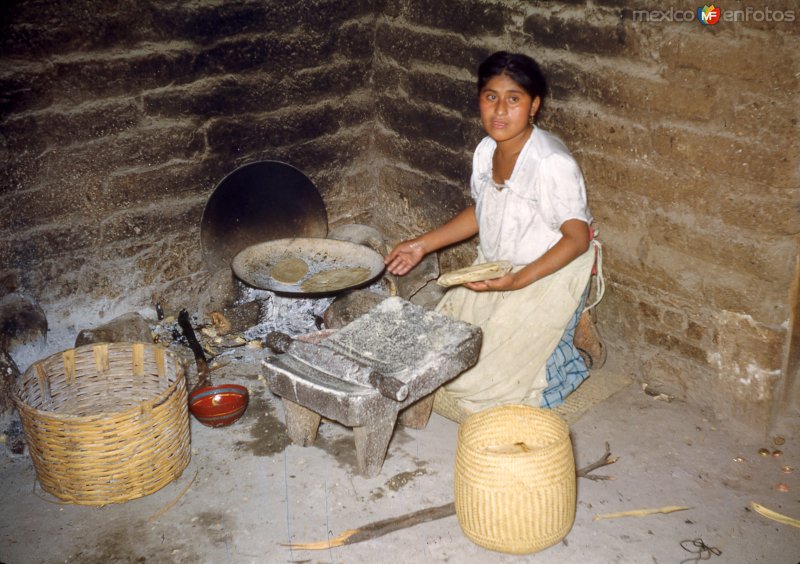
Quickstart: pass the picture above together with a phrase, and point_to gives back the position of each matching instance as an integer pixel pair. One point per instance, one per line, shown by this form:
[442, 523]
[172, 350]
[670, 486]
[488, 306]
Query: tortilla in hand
[475, 273]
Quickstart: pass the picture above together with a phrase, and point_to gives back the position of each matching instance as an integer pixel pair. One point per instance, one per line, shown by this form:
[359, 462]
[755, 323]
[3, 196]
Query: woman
[530, 208]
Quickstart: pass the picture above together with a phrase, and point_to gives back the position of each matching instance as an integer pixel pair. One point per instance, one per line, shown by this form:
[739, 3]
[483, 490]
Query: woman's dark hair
[520, 68]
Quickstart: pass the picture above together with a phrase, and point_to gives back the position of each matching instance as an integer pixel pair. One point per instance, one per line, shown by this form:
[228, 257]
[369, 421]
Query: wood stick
[168, 506]
[380, 528]
[197, 349]
[774, 515]
[604, 460]
[640, 512]
[386, 526]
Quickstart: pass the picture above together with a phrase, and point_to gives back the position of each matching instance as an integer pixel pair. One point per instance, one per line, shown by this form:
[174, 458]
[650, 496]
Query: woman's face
[506, 108]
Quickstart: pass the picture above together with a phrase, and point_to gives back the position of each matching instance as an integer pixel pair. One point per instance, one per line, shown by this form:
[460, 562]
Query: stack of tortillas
[475, 273]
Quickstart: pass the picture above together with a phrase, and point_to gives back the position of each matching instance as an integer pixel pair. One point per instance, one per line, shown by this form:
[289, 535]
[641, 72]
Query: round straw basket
[105, 423]
[514, 479]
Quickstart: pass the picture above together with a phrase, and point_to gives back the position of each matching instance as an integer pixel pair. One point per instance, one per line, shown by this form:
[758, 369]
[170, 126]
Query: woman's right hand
[407, 254]
[404, 257]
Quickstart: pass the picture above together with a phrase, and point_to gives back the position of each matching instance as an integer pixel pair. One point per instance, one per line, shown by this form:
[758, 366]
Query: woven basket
[515, 479]
[105, 423]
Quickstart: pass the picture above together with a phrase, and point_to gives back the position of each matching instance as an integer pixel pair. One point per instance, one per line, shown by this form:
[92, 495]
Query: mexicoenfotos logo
[708, 15]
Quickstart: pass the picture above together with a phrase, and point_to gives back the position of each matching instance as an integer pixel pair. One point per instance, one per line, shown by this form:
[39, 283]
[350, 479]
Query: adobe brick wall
[687, 136]
[117, 120]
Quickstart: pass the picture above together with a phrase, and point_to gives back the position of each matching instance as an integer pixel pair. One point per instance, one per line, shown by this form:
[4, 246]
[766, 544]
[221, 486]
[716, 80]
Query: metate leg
[371, 443]
[301, 423]
[416, 415]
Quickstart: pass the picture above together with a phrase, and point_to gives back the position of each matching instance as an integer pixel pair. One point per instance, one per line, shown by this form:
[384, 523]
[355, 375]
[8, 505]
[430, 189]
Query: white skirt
[521, 329]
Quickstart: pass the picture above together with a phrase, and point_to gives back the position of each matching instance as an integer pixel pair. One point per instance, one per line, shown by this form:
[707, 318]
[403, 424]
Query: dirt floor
[247, 492]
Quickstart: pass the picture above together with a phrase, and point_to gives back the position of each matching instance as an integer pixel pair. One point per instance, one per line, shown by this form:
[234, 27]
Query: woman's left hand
[508, 282]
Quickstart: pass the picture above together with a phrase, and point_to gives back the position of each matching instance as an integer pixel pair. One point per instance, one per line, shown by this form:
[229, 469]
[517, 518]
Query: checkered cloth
[565, 367]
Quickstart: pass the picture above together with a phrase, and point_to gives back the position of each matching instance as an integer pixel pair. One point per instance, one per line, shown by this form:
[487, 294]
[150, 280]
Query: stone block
[421, 197]
[18, 171]
[674, 320]
[745, 110]
[205, 23]
[766, 257]
[79, 176]
[176, 216]
[762, 58]
[709, 152]
[696, 332]
[632, 263]
[23, 89]
[32, 246]
[361, 235]
[41, 29]
[129, 327]
[627, 90]
[445, 91]
[178, 180]
[606, 37]
[419, 121]
[123, 73]
[322, 16]
[144, 148]
[464, 17]
[403, 45]
[237, 135]
[745, 345]
[23, 333]
[692, 280]
[50, 203]
[262, 51]
[53, 129]
[735, 203]
[350, 306]
[668, 374]
[426, 155]
[215, 97]
[338, 78]
[673, 344]
[581, 127]
[95, 194]
[356, 40]
[649, 312]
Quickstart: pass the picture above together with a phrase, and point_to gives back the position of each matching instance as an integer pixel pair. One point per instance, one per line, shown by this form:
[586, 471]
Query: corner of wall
[787, 402]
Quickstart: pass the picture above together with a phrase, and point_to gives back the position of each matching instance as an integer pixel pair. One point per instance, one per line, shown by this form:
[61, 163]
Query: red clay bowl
[218, 406]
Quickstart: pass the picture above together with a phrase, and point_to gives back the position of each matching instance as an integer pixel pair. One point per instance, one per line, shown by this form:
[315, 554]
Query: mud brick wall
[118, 119]
[687, 136]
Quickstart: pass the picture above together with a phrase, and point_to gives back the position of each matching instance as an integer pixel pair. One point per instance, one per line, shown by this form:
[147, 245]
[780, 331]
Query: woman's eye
[513, 99]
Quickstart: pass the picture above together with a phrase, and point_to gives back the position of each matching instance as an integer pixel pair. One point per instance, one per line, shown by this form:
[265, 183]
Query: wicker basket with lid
[515, 479]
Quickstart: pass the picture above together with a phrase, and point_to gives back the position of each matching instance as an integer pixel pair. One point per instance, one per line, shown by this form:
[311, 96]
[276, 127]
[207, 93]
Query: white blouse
[520, 220]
